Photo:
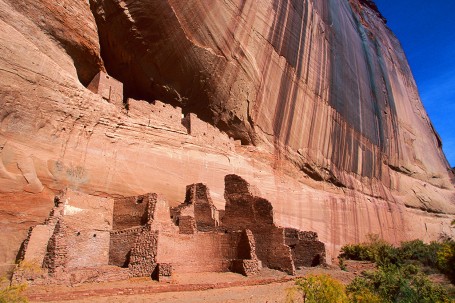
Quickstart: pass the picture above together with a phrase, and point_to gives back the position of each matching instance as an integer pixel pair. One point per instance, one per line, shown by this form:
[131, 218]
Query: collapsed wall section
[245, 210]
[130, 212]
[306, 249]
[198, 207]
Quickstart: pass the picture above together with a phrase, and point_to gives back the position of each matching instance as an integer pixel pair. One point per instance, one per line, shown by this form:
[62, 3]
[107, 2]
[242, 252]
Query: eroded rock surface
[319, 92]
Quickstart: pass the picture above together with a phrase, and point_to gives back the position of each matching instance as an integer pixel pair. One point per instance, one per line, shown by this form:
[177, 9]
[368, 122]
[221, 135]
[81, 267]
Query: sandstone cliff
[318, 91]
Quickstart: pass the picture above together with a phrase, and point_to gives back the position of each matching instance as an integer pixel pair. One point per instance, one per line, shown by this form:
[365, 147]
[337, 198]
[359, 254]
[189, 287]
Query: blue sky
[426, 30]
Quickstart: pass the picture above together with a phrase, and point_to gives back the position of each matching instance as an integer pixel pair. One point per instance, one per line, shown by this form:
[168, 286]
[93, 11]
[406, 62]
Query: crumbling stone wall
[207, 133]
[142, 261]
[88, 221]
[199, 205]
[120, 245]
[247, 262]
[137, 236]
[187, 225]
[130, 212]
[245, 210]
[34, 247]
[306, 249]
[133, 242]
[162, 272]
[108, 87]
[56, 258]
[157, 114]
[205, 212]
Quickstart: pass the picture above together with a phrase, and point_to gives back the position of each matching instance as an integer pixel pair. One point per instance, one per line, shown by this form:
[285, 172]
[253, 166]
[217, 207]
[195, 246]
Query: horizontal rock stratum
[319, 93]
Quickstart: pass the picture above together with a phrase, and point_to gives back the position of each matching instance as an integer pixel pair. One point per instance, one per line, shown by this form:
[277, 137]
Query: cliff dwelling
[91, 239]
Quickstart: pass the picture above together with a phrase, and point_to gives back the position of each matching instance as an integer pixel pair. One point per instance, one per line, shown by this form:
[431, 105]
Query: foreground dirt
[268, 286]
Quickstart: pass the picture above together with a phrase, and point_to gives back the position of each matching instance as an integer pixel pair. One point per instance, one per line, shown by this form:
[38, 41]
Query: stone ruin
[109, 88]
[92, 239]
[161, 115]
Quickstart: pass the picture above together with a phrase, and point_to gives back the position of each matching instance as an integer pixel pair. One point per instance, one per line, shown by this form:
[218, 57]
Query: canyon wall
[319, 93]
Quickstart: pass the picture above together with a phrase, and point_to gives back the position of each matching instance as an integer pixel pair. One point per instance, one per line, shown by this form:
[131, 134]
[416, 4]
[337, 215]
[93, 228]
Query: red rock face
[320, 91]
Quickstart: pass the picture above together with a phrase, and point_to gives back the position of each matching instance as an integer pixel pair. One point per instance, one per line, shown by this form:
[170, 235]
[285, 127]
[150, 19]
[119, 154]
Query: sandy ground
[269, 286]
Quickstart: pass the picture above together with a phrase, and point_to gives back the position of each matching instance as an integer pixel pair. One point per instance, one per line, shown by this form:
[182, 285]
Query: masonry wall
[143, 257]
[130, 212]
[157, 114]
[245, 210]
[56, 258]
[309, 253]
[306, 249]
[207, 133]
[108, 87]
[160, 215]
[201, 252]
[205, 212]
[121, 243]
[88, 221]
[36, 244]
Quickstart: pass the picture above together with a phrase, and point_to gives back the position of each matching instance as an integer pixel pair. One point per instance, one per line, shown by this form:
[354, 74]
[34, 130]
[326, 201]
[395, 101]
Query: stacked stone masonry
[89, 238]
[306, 249]
[109, 88]
[161, 115]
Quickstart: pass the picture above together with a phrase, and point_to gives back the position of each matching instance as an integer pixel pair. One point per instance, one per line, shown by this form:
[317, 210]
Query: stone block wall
[206, 217]
[247, 262]
[121, 242]
[197, 204]
[244, 209]
[56, 258]
[88, 220]
[200, 252]
[143, 253]
[163, 272]
[157, 114]
[159, 215]
[207, 133]
[108, 87]
[165, 112]
[187, 225]
[309, 253]
[130, 212]
[306, 249]
[87, 248]
[247, 211]
[35, 247]
[245, 267]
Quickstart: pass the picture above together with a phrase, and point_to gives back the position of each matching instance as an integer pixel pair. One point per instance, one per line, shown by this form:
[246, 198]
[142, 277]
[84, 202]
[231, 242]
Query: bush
[434, 256]
[446, 259]
[396, 284]
[375, 250]
[341, 264]
[316, 289]
[13, 293]
[364, 296]
[416, 250]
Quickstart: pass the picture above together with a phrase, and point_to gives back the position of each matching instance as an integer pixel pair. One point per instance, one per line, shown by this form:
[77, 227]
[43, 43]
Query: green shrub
[416, 250]
[357, 252]
[446, 259]
[342, 264]
[375, 250]
[364, 295]
[316, 289]
[396, 284]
